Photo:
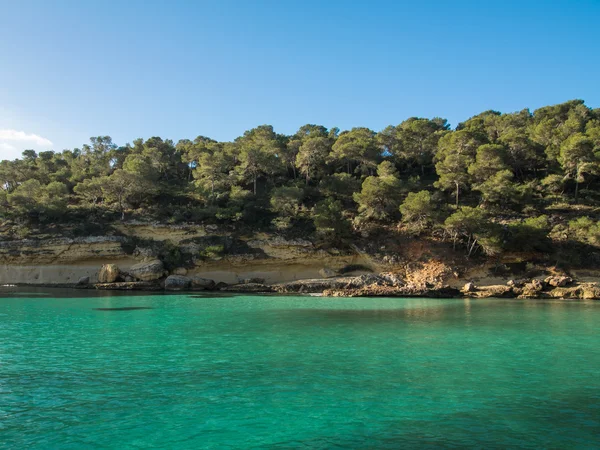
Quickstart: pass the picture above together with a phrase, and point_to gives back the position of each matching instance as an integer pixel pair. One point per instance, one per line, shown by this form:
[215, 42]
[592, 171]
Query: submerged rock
[109, 273]
[148, 271]
[177, 282]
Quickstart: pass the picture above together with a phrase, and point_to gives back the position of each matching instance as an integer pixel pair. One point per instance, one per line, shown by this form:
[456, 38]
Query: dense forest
[497, 182]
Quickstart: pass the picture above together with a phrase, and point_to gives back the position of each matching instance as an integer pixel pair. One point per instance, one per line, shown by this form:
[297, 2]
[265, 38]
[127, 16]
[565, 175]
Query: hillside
[500, 196]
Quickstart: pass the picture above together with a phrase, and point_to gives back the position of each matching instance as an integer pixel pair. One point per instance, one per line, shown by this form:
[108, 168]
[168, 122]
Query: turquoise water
[297, 372]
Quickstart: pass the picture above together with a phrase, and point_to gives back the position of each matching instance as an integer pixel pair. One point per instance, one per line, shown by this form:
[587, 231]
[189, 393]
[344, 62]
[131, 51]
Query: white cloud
[13, 142]
[21, 136]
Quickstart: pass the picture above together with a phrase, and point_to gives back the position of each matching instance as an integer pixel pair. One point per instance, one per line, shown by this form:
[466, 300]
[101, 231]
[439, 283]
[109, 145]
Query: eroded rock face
[61, 250]
[148, 271]
[177, 283]
[109, 273]
[202, 283]
[180, 271]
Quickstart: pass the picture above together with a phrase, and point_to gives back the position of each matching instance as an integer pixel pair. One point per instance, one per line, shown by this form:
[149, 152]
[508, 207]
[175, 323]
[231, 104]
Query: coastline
[380, 285]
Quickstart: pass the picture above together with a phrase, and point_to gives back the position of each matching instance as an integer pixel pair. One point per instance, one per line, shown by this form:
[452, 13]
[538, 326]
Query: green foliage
[380, 195]
[471, 226]
[286, 200]
[356, 148]
[585, 230]
[419, 210]
[529, 235]
[502, 169]
[329, 219]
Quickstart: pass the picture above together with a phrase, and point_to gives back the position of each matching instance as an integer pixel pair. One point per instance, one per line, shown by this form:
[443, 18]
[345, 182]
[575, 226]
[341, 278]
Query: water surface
[187, 371]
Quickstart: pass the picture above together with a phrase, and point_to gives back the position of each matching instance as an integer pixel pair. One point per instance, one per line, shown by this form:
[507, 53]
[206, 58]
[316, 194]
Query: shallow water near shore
[283, 372]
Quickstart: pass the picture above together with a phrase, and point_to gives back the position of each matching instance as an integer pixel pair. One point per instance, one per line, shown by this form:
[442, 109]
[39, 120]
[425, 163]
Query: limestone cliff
[215, 254]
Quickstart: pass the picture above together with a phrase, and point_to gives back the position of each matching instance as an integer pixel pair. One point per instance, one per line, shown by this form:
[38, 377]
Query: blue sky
[74, 69]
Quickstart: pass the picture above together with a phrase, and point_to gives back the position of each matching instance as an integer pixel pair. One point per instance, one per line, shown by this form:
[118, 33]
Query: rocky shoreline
[151, 276]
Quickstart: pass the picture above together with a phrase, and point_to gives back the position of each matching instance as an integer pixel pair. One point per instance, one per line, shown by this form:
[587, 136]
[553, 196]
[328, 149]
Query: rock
[443, 292]
[148, 271]
[177, 283]
[317, 285]
[145, 253]
[392, 279]
[248, 287]
[327, 273]
[469, 287]
[135, 286]
[202, 283]
[500, 291]
[558, 281]
[211, 228]
[220, 285]
[585, 291]
[537, 285]
[255, 280]
[180, 271]
[83, 281]
[108, 273]
[533, 289]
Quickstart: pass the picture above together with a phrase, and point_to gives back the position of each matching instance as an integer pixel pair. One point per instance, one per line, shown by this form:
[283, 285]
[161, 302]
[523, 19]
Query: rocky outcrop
[177, 283]
[496, 291]
[109, 273]
[584, 291]
[147, 271]
[202, 283]
[533, 289]
[558, 281]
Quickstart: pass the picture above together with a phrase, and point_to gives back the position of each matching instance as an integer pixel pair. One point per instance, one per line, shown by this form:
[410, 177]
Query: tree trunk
[254, 185]
[576, 183]
[457, 191]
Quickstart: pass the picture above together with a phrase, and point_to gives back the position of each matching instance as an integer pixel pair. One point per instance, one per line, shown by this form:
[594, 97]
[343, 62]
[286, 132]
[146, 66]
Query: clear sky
[74, 69]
